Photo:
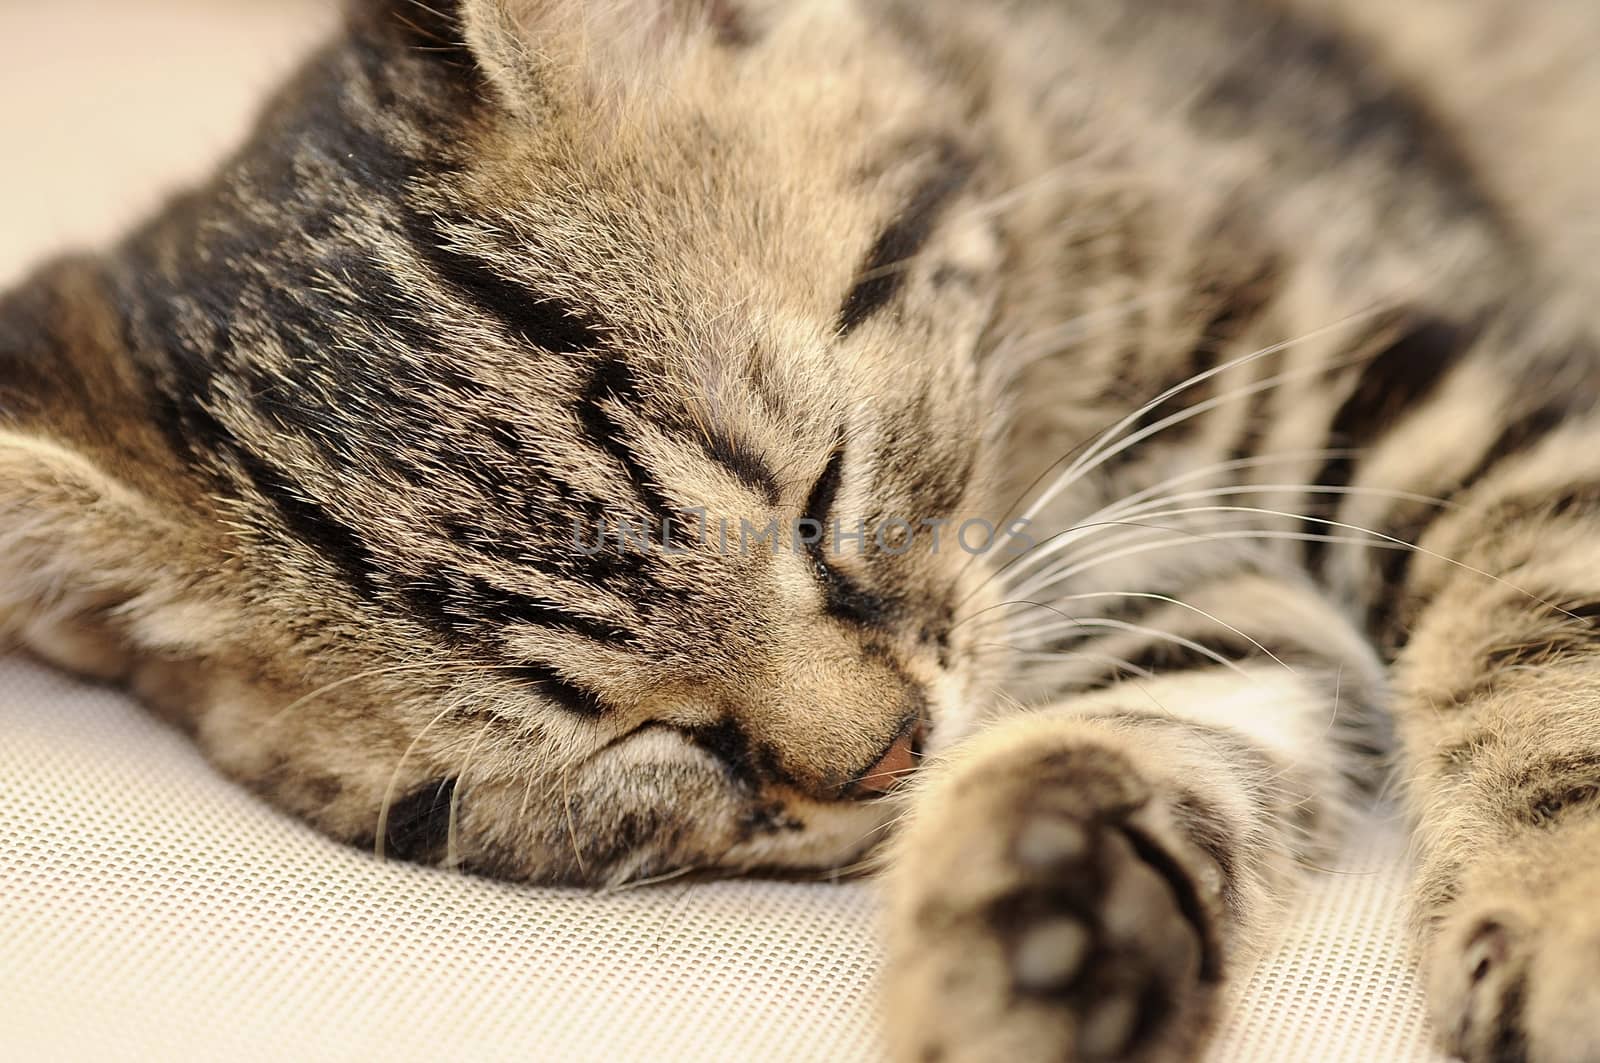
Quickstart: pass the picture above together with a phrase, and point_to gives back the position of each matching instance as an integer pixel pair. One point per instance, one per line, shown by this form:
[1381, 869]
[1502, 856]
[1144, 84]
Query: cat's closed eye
[1081, 445]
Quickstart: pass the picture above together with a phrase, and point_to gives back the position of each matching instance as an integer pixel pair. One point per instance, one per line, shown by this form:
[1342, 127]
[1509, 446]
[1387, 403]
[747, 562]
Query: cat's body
[317, 460]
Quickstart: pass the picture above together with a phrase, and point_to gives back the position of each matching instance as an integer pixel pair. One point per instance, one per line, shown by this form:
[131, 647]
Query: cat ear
[520, 45]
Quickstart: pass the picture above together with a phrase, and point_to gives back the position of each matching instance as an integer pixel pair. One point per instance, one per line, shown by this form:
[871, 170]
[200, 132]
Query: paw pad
[1049, 956]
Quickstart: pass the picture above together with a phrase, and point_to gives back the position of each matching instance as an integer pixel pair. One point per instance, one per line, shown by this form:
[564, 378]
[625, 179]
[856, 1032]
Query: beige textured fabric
[150, 910]
[154, 911]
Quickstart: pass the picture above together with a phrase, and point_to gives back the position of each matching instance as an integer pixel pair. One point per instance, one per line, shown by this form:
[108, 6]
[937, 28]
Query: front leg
[1499, 712]
[1079, 883]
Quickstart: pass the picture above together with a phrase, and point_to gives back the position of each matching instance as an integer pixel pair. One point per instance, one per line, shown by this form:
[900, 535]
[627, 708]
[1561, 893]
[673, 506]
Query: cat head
[560, 445]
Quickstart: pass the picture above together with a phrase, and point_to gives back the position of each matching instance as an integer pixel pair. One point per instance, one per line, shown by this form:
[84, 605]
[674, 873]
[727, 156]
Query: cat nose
[897, 762]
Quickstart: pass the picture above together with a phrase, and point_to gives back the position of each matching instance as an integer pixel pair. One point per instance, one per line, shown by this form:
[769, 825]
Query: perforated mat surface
[151, 910]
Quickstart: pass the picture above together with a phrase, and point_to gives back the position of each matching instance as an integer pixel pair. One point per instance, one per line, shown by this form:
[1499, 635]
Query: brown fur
[1216, 301]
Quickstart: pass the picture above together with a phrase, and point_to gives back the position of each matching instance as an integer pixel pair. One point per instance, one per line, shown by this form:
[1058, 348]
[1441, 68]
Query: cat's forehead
[747, 180]
[703, 227]
[728, 274]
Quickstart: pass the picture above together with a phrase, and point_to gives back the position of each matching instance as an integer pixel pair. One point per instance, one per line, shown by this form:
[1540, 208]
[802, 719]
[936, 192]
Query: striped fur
[1288, 401]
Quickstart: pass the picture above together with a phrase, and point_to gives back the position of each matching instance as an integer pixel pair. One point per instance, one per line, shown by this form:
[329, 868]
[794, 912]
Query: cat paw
[1050, 913]
[1514, 964]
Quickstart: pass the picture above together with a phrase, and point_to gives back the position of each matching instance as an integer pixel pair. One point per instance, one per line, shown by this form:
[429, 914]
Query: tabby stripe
[510, 607]
[1508, 1042]
[1257, 419]
[1576, 500]
[1555, 764]
[1394, 566]
[1553, 635]
[1577, 634]
[1236, 309]
[575, 698]
[1242, 304]
[1518, 436]
[1548, 804]
[418, 825]
[626, 572]
[542, 321]
[614, 382]
[843, 598]
[1347, 113]
[1555, 784]
[312, 523]
[737, 753]
[744, 463]
[1201, 360]
[884, 273]
[196, 433]
[456, 603]
[1402, 375]
[1161, 657]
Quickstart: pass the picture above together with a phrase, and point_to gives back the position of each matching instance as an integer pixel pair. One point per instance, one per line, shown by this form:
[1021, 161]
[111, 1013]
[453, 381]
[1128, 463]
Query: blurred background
[106, 105]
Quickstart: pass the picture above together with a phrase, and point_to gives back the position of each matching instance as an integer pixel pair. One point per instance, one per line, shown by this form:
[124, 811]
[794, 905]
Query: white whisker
[1113, 442]
[1264, 535]
[378, 843]
[1168, 599]
[452, 846]
[1151, 509]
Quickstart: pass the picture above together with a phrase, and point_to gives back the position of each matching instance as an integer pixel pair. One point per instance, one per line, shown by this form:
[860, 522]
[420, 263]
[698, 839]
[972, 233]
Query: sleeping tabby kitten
[565, 444]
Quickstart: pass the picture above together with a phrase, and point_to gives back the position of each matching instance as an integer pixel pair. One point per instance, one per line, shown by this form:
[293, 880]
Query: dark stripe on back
[1411, 521]
[1232, 306]
[1201, 359]
[1348, 108]
[884, 272]
[1398, 378]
